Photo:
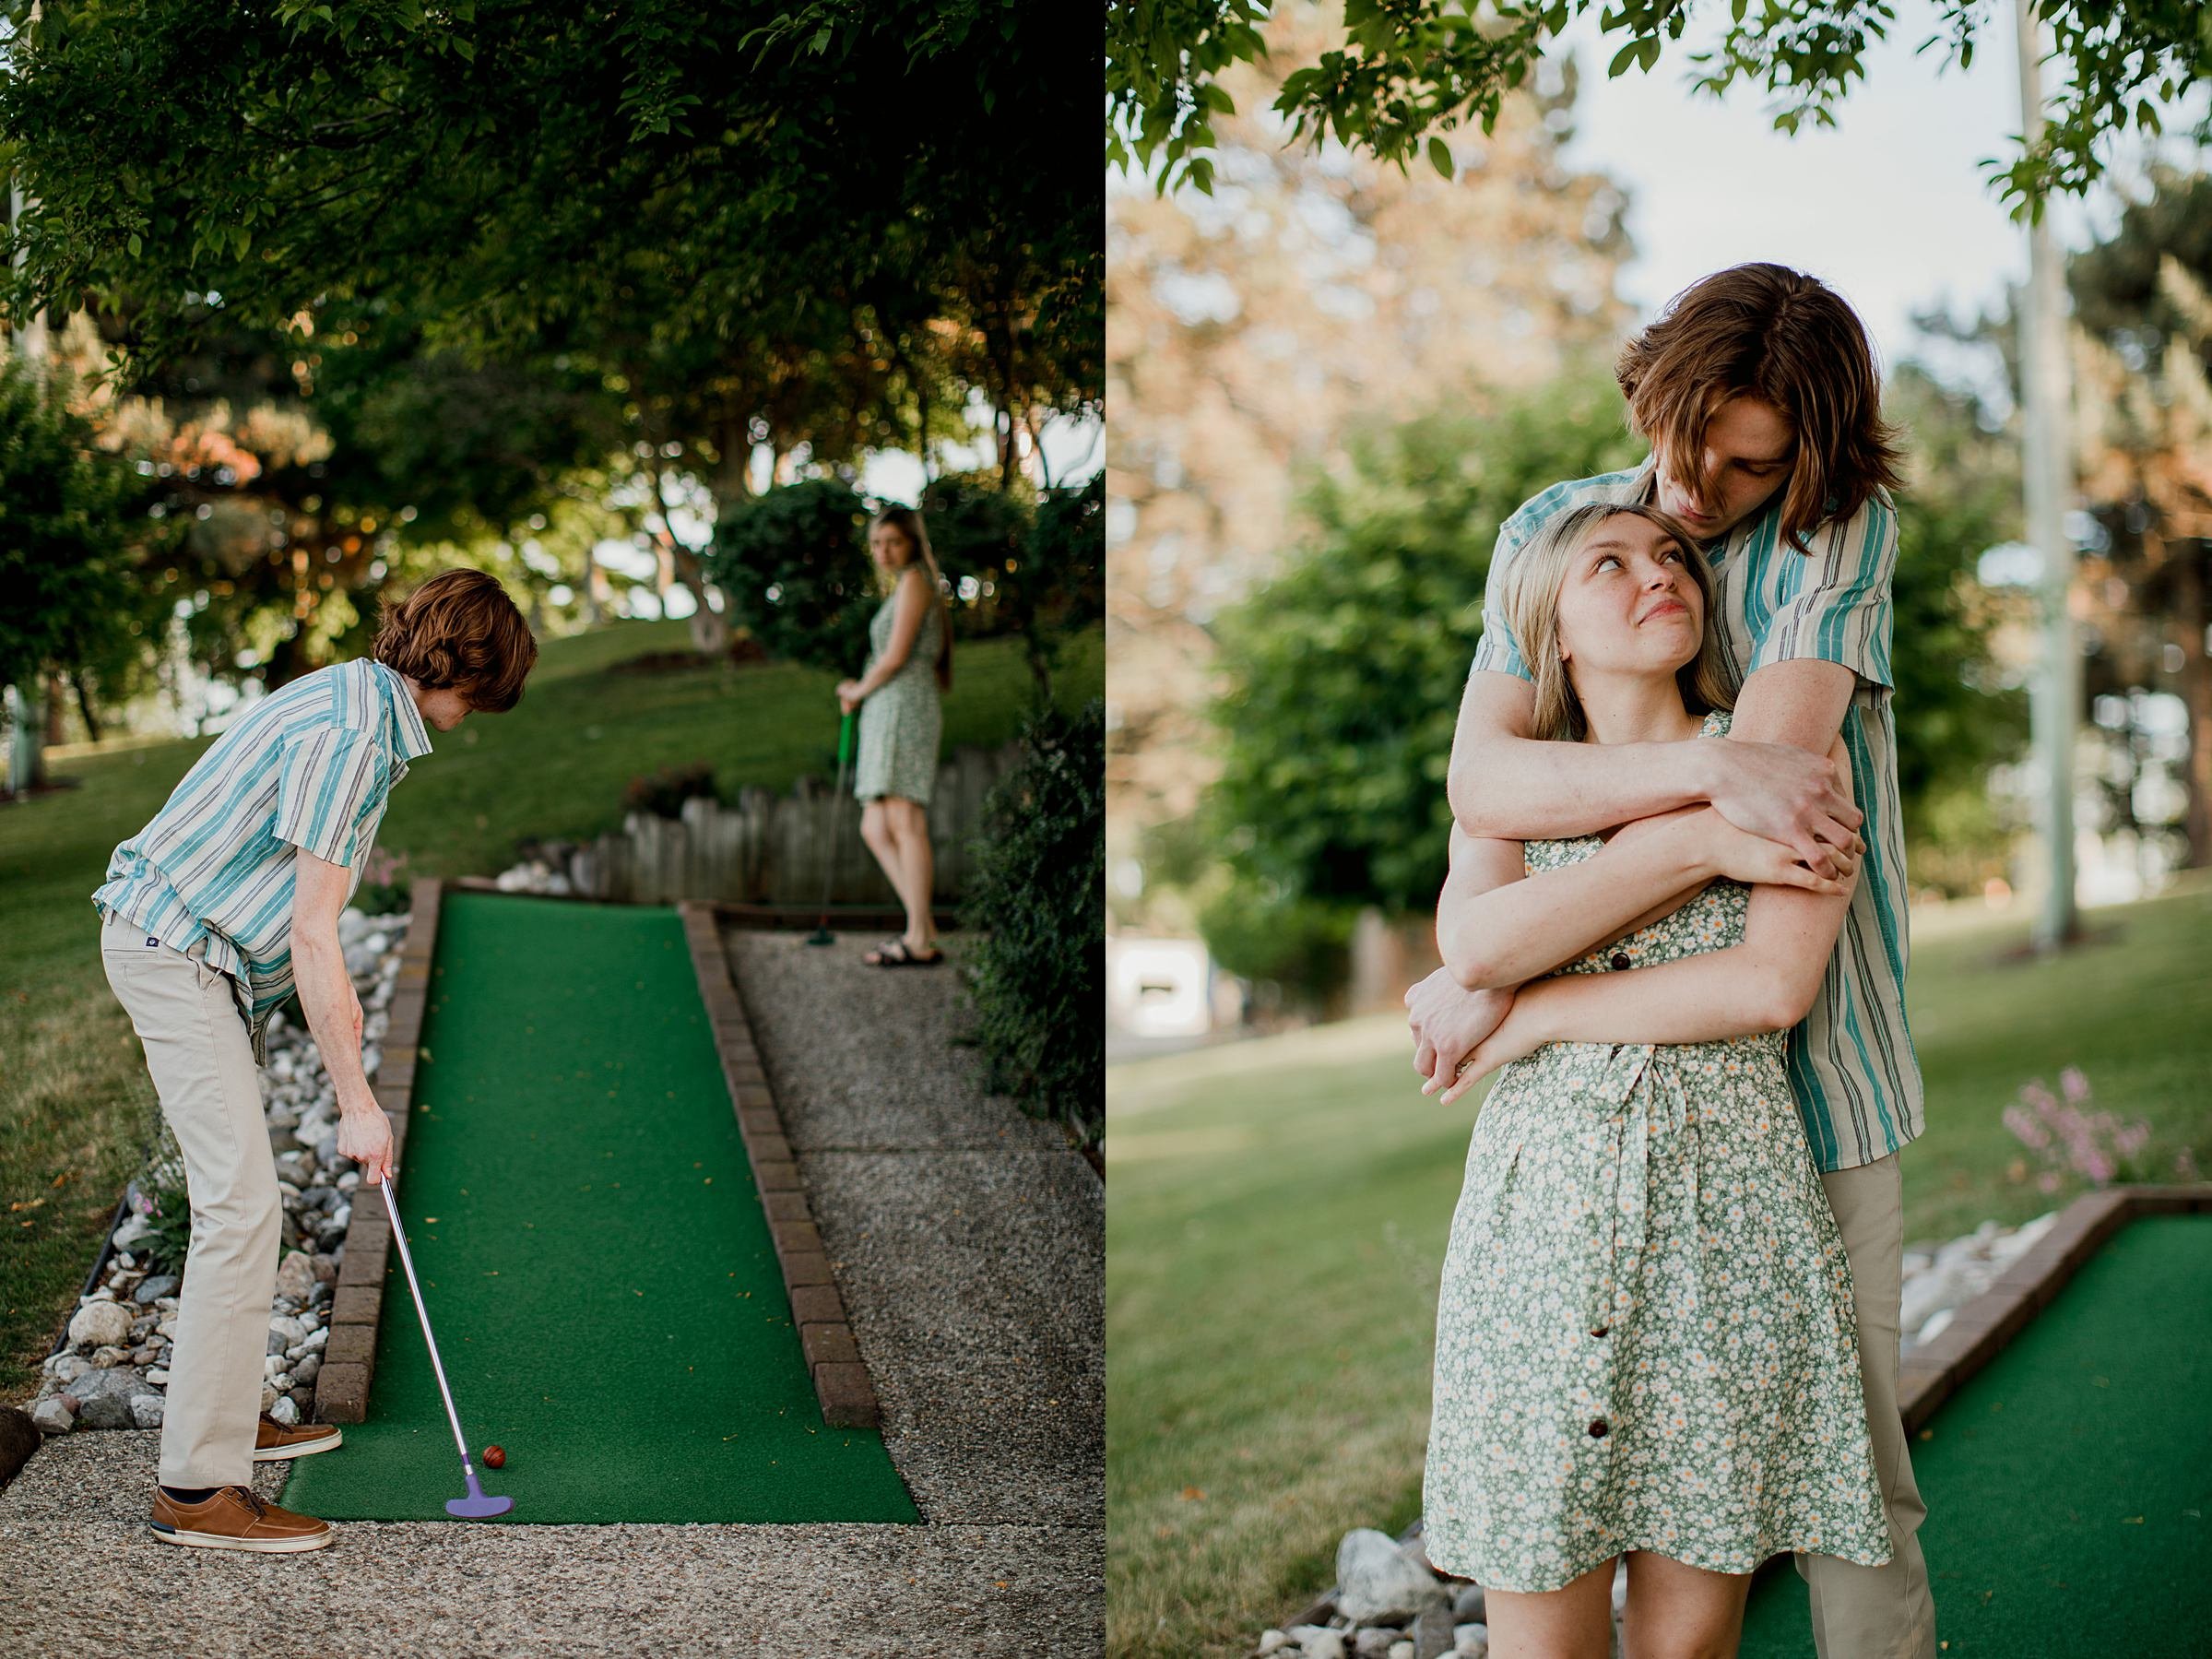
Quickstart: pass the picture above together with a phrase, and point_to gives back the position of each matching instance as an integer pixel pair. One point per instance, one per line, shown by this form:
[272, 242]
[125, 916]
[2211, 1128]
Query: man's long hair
[459, 629]
[1790, 340]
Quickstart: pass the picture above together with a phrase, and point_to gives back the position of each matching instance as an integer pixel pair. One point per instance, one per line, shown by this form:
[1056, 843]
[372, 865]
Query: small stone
[157, 1375]
[1373, 1642]
[52, 1416]
[1318, 1642]
[146, 1410]
[326, 1268]
[67, 1367]
[304, 1371]
[289, 1329]
[316, 1339]
[1375, 1579]
[1399, 1650]
[273, 1366]
[99, 1324]
[296, 1276]
[286, 1411]
[152, 1290]
[145, 1354]
[270, 1397]
[1467, 1608]
[110, 1355]
[1472, 1640]
[166, 1328]
[1271, 1640]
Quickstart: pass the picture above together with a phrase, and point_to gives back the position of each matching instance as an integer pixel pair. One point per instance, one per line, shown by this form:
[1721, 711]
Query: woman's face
[1628, 603]
[887, 544]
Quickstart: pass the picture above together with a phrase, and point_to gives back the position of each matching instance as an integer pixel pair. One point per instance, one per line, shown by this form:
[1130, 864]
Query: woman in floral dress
[909, 665]
[1646, 1342]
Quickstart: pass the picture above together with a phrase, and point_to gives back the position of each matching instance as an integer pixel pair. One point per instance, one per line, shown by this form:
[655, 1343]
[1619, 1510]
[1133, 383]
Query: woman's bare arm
[1497, 926]
[1767, 983]
[914, 601]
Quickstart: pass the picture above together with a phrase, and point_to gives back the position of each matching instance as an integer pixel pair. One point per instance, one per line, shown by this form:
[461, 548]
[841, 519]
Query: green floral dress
[1645, 1332]
[901, 721]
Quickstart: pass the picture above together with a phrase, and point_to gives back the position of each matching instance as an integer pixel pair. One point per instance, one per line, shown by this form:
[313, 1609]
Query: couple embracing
[1674, 933]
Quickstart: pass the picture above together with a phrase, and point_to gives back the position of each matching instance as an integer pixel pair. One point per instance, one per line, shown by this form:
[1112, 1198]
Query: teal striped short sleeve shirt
[310, 766]
[1852, 1063]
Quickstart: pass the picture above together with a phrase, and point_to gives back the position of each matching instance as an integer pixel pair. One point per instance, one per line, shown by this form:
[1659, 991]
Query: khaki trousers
[202, 1061]
[1876, 1612]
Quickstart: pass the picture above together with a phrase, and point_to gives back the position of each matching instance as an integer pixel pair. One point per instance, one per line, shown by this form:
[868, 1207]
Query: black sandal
[893, 953]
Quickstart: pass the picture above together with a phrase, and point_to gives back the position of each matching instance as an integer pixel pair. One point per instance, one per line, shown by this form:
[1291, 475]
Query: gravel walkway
[968, 1241]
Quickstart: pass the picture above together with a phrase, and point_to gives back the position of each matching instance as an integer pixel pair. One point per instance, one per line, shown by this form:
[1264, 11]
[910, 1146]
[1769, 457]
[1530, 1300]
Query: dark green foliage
[66, 508]
[1345, 673]
[794, 564]
[1038, 569]
[664, 793]
[1404, 73]
[1036, 910]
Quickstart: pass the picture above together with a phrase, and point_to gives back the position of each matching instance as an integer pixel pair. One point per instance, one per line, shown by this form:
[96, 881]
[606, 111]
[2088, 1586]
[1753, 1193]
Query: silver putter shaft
[476, 1506]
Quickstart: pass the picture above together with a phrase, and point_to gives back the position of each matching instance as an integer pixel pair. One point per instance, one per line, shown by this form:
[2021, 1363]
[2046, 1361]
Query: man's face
[1749, 450]
[444, 708]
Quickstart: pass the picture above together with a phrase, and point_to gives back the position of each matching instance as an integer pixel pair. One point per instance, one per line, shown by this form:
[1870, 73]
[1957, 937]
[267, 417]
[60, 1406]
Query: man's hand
[366, 1138]
[1781, 792]
[1449, 1023]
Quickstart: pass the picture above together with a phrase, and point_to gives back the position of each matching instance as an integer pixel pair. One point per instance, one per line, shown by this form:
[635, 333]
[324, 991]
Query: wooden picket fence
[774, 849]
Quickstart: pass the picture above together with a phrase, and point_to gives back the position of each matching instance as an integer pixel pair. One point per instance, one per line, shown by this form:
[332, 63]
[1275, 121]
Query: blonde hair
[1531, 608]
[909, 523]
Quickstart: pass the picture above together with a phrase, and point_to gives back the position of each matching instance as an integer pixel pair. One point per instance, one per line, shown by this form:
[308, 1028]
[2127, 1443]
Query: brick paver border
[841, 1380]
[1980, 1329]
[357, 1299]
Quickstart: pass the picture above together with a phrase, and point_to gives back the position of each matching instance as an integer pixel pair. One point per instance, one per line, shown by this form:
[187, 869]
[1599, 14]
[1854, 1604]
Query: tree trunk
[83, 707]
[55, 702]
[709, 629]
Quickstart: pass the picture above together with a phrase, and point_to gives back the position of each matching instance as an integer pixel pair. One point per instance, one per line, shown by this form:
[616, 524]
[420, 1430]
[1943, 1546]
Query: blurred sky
[1891, 206]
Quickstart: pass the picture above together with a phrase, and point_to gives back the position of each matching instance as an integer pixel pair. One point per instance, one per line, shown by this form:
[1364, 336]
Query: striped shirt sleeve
[1835, 602]
[1497, 650]
[326, 789]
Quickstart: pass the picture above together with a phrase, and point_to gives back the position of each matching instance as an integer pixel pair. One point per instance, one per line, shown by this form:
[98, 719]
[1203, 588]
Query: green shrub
[160, 1195]
[795, 567]
[1035, 906]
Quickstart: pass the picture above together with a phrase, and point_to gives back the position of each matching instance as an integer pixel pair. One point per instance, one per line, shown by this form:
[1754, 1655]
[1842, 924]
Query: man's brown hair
[460, 629]
[1790, 340]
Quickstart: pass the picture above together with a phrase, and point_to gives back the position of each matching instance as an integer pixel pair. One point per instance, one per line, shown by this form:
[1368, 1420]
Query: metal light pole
[2048, 473]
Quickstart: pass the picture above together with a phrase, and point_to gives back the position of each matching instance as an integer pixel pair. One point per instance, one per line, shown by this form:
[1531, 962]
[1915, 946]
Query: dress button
[1597, 1428]
[1620, 959]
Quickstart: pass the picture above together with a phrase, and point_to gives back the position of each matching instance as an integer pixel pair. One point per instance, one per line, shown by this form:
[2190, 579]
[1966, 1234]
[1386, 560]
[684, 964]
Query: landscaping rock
[99, 1324]
[1375, 1581]
[53, 1415]
[152, 1290]
[146, 1409]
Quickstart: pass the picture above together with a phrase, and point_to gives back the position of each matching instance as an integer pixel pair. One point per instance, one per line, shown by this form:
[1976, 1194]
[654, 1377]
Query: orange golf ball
[495, 1458]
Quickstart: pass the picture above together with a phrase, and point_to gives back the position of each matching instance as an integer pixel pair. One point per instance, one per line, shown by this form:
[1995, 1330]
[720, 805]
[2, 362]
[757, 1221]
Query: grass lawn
[77, 1109]
[1279, 1212]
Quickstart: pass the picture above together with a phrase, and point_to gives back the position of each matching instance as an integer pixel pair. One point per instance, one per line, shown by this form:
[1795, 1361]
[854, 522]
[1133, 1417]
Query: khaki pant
[1876, 1612]
[202, 1061]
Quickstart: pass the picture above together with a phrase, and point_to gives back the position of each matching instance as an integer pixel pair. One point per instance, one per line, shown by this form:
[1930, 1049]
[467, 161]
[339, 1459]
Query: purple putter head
[476, 1506]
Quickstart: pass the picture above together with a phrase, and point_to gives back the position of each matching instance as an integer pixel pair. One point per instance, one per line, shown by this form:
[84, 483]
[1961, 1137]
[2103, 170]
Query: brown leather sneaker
[273, 1440]
[236, 1518]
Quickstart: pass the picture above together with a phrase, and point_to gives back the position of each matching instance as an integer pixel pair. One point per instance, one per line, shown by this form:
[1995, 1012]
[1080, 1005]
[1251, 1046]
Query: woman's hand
[848, 695]
[1516, 1037]
[1741, 856]
[1447, 1021]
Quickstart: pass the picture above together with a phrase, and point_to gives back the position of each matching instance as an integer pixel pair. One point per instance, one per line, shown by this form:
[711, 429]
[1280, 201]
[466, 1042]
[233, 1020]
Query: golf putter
[821, 934]
[476, 1506]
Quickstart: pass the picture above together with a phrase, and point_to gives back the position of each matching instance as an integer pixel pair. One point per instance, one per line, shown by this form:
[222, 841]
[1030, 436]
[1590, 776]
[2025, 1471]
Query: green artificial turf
[594, 1253]
[2068, 1483]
